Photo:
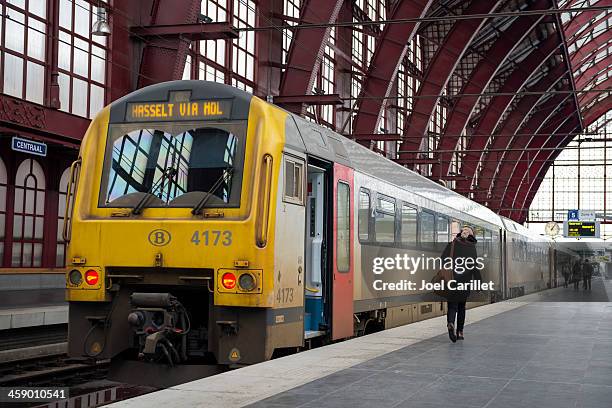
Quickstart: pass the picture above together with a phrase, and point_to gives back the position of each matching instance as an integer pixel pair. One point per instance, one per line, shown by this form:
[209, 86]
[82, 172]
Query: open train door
[342, 282]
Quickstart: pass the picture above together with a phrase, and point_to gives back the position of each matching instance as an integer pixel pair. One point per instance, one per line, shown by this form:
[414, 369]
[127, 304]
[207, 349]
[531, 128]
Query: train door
[342, 283]
[316, 289]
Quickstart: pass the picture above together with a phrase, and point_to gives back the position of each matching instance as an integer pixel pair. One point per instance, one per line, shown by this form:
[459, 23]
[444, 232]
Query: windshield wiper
[200, 205]
[168, 174]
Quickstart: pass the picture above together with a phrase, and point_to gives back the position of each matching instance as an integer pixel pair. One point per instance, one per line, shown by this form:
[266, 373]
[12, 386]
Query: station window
[384, 225]
[23, 54]
[343, 239]
[428, 229]
[442, 229]
[81, 59]
[29, 215]
[364, 214]
[230, 61]
[294, 175]
[409, 224]
[3, 184]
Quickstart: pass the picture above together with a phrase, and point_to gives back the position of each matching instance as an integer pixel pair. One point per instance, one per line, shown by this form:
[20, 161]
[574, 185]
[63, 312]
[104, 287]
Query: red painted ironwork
[442, 65]
[490, 117]
[167, 62]
[478, 81]
[307, 49]
[511, 182]
[392, 46]
[495, 156]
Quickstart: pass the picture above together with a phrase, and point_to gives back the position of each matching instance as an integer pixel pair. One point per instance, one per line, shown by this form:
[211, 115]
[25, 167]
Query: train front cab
[166, 267]
[153, 279]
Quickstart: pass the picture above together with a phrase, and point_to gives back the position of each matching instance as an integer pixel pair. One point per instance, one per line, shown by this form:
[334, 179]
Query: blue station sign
[29, 146]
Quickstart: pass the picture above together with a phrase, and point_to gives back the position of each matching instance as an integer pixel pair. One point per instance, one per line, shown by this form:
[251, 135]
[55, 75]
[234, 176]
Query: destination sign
[579, 229]
[178, 111]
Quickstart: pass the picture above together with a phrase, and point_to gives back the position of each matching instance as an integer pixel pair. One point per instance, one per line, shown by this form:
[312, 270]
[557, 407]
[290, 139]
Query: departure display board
[178, 110]
[582, 229]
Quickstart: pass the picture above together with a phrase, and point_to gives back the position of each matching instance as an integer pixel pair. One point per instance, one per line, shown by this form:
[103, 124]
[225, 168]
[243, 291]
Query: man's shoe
[460, 335]
[451, 332]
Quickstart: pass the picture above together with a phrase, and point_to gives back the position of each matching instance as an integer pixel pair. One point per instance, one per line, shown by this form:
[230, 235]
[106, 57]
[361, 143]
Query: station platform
[551, 349]
[35, 307]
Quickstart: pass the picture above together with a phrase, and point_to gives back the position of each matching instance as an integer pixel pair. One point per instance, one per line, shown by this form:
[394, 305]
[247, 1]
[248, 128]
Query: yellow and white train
[208, 223]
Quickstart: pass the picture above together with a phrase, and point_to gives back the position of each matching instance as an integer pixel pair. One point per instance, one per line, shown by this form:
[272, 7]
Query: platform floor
[33, 307]
[20, 299]
[553, 349]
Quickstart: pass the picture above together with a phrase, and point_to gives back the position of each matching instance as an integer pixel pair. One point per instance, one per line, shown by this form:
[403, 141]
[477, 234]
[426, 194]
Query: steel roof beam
[441, 67]
[388, 55]
[480, 78]
[511, 126]
[591, 47]
[512, 181]
[164, 63]
[589, 97]
[597, 110]
[194, 32]
[535, 174]
[499, 104]
[306, 50]
[575, 24]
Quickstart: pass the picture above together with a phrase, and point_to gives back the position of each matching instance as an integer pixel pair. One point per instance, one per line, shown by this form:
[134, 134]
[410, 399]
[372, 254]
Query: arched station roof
[518, 79]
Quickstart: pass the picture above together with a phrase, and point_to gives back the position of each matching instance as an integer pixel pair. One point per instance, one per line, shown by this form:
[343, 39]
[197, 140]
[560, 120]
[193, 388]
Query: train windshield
[175, 165]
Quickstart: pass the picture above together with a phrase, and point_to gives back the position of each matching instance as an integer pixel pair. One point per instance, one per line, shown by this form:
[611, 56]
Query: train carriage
[209, 224]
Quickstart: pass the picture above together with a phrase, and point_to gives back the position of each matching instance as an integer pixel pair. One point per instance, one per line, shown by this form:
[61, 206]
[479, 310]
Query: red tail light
[228, 280]
[91, 277]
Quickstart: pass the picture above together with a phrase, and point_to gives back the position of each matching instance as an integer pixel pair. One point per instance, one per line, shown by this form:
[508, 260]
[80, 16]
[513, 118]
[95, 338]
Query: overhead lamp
[100, 26]
[204, 18]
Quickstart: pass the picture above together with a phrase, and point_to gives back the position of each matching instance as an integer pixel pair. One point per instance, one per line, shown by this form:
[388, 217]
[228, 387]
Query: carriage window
[175, 165]
[442, 229]
[428, 229]
[409, 224]
[343, 242]
[364, 214]
[384, 225]
[294, 181]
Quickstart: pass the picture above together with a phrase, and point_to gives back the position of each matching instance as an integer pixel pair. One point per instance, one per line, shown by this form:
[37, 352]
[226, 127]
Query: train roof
[364, 160]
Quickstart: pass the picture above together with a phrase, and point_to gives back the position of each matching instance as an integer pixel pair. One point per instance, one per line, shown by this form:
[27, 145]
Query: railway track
[32, 336]
[54, 370]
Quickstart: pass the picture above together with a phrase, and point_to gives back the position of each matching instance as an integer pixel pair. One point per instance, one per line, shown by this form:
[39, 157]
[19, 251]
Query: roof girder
[480, 78]
[306, 49]
[442, 65]
[388, 56]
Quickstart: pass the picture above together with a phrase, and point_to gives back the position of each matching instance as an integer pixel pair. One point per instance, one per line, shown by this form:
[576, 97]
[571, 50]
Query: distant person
[462, 246]
[565, 271]
[577, 273]
[587, 274]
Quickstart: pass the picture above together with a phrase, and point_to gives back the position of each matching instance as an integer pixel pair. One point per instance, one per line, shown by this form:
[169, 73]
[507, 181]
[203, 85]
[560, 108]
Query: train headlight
[246, 281]
[228, 280]
[91, 277]
[75, 278]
